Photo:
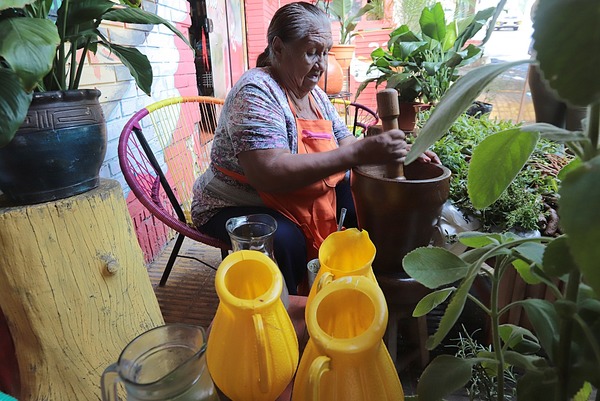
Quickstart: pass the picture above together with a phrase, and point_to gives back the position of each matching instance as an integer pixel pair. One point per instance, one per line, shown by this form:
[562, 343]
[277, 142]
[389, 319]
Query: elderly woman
[280, 148]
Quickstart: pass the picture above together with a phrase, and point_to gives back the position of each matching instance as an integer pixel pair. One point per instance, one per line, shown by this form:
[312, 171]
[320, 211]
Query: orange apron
[312, 208]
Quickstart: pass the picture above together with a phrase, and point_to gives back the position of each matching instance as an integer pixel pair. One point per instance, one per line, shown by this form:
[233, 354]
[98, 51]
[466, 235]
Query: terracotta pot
[343, 54]
[399, 216]
[407, 121]
[332, 80]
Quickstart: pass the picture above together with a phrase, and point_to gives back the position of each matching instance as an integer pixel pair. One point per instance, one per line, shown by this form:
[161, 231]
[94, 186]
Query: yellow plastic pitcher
[252, 350]
[344, 253]
[345, 357]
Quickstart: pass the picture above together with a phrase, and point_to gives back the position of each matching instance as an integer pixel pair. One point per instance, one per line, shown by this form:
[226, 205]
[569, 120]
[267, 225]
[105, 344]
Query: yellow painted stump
[74, 291]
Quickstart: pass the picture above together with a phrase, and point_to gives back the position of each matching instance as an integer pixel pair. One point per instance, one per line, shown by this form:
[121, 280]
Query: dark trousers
[289, 244]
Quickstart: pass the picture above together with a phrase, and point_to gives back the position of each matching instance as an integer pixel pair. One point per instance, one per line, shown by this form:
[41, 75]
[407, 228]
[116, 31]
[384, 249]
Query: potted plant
[421, 66]
[53, 136]
[560, 358]
[341, 11]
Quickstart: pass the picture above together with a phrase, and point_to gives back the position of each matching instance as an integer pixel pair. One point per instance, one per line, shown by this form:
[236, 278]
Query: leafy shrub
[529, 197]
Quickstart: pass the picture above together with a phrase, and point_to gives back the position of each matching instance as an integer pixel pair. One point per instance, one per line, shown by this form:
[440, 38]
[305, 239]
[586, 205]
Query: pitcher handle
[319, 366]
[110, 379]
[264, 371]
[325, 279]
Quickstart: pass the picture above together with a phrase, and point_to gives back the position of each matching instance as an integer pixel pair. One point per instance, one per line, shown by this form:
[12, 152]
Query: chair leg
[171, 262]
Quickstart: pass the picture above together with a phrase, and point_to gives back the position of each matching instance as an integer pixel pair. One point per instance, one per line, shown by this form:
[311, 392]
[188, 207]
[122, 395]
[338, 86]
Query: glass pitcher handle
[319, 366]
[110, 379]
[264, 370]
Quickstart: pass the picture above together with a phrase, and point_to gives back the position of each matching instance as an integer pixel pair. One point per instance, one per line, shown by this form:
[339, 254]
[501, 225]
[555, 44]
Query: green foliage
[41, 54]
[422, 65]
[567, 329]
[522, 204]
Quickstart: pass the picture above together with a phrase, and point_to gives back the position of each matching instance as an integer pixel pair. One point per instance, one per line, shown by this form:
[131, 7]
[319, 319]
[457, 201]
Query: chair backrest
[163, 148]
[355, 115]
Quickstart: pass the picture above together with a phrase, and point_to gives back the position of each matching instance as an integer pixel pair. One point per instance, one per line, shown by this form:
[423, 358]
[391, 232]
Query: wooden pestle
[389, 110]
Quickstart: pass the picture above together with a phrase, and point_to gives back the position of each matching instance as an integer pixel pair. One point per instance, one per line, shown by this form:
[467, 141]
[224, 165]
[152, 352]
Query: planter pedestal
[74, 292]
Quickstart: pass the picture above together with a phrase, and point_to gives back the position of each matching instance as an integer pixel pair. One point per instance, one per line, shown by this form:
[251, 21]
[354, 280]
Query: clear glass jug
[167, 363]
[255, 232]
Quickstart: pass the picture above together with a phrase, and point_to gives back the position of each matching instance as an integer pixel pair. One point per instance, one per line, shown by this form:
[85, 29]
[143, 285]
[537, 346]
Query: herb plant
[525, 204]
[560, 359]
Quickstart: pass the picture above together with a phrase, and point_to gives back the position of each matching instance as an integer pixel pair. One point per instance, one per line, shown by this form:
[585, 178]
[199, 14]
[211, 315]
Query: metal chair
[355, 115]
[178, 132]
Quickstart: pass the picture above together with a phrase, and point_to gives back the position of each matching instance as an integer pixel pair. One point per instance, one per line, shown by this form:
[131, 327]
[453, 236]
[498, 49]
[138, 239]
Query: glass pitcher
[255, 232]
[166, 363]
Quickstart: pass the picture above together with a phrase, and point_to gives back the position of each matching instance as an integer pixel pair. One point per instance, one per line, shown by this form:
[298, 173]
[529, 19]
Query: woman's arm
[277, 170]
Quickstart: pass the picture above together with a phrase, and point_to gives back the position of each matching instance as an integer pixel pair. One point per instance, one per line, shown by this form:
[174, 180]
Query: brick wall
[174, 75]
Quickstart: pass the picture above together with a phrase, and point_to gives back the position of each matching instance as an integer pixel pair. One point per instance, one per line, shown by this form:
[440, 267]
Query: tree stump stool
[74, 291]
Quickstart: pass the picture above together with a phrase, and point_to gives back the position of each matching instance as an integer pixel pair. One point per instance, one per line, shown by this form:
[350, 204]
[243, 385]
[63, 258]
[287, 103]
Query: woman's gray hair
[291, 22]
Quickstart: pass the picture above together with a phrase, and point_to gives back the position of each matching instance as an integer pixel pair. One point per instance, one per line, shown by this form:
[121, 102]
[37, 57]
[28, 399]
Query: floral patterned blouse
[256, 115]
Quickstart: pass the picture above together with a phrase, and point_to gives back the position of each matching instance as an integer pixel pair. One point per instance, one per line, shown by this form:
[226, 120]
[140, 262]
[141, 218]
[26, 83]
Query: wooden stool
[402, 295]
[74, 291]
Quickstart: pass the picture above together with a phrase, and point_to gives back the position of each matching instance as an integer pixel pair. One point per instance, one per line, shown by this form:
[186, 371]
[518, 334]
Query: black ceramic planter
[59, 149]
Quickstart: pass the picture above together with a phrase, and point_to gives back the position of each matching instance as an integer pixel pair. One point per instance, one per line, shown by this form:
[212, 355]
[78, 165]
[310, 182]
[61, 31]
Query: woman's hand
[429, 156]
[387, 147]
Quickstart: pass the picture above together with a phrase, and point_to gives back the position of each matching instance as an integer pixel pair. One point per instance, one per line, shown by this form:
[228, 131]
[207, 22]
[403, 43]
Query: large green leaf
[434, 267]
[544, 319]
[580, 217]
[558, 260]
[566, 39]
[444, 375]
[14, 103]
[433, 22]
[138, 16]
[496, 161]
[136, 62]
[430, 301]
[29, 46]
[74, 14]
[456, 100]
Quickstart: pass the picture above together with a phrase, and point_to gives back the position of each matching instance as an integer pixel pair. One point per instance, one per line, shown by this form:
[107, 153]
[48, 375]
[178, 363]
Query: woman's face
[302, 62]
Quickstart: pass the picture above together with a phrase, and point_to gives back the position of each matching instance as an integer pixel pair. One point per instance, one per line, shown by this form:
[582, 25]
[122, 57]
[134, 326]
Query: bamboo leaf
[509, 149]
